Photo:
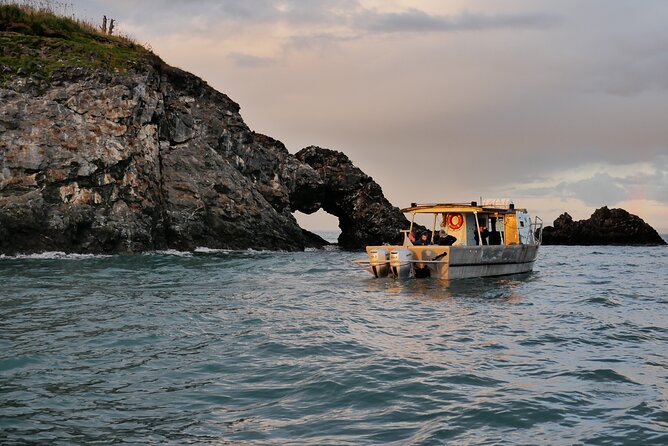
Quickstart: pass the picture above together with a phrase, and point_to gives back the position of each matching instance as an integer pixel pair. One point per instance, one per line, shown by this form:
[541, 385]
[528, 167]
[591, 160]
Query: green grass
[36, 41]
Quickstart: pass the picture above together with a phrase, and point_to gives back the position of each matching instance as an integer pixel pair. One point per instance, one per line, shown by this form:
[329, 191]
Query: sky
[561, 106]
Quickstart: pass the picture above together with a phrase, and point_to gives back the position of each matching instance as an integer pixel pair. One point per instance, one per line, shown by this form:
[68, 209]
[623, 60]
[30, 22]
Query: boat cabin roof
[451, 208]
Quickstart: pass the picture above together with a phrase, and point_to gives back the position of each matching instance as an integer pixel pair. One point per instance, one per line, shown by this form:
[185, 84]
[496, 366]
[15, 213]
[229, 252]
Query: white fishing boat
[493, 238]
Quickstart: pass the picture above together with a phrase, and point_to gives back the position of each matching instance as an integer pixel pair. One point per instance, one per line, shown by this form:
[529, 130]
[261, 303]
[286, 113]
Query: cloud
[415, 20]
[637, 68]
[316, 12]
[604, 188]
[597, 190]
[216, 10]
[317, 41]
[231, 11]
[653, 186]
[312, 18]
[350, 13]
[248, 60]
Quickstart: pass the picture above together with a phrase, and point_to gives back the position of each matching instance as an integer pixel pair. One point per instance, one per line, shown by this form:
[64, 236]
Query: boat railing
[537, 230]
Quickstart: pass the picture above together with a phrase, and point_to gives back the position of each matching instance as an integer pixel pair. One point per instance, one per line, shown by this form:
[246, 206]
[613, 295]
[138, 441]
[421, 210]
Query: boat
[490, 238]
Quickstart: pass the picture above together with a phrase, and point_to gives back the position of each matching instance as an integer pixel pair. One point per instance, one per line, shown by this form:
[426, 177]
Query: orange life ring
[455, 221]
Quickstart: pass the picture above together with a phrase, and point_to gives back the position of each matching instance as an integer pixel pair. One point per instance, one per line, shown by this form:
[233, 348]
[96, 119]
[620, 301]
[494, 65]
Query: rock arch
[343, 190]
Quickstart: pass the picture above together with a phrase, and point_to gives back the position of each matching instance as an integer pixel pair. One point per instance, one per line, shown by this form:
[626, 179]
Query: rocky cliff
[604, 227]
[138, 155]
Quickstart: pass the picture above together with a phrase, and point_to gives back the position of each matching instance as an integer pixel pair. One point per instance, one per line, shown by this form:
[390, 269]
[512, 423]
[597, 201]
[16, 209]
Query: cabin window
[521, 223]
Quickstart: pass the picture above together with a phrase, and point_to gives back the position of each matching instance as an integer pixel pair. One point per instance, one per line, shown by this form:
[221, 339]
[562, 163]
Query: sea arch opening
[321, 223]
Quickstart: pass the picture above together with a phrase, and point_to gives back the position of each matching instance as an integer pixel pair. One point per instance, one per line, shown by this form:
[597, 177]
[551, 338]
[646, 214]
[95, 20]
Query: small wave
[326, 248]
[251, 251]
[607, 360]
[55, 255]
[544, 339]
[599, 282]
[605, 301]
[600, 375]
[469, 379]
[205, 250]
[173, 252]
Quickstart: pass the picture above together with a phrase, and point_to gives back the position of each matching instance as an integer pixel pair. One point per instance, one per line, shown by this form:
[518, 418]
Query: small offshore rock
[604, 227]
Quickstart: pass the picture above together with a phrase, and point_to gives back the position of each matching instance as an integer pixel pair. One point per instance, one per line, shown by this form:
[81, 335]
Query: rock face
[365, 215]
[154, 158]
[604, 227]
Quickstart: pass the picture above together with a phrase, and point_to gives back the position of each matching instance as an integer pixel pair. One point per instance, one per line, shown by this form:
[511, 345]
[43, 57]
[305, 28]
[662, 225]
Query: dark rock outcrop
[604, 227]
[153, 158]
[365, 215]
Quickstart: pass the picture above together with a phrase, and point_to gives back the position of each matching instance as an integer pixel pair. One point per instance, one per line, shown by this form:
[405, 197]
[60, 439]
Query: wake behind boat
[471, 240]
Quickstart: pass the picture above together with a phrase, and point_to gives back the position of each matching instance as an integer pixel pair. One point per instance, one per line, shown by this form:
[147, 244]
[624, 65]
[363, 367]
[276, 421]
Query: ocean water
[219, 347]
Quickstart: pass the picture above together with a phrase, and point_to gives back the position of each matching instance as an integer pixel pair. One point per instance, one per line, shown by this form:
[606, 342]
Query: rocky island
[604, 227]
[104, 148]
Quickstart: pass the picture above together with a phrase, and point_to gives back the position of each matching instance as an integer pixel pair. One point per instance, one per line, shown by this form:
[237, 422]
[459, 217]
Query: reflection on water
[482, 288]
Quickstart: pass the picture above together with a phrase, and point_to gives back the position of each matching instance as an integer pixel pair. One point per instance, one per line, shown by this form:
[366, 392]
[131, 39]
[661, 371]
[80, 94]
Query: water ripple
[228, 347]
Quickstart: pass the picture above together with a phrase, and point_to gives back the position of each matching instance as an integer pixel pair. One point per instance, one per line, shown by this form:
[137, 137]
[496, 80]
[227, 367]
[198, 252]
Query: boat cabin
[495, 222]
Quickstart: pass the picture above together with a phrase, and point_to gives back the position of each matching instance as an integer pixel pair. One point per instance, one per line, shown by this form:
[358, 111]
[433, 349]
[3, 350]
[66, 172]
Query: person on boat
[484, 234]
[447, 240]
[411, 238]
[424, 239]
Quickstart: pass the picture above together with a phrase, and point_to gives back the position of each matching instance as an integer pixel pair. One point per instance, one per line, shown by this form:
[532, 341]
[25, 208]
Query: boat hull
[482, 261]
[461, 262]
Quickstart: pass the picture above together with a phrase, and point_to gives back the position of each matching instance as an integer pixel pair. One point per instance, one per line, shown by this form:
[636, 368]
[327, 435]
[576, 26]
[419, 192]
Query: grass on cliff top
[35, 41]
